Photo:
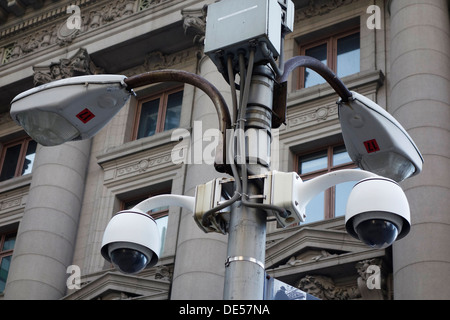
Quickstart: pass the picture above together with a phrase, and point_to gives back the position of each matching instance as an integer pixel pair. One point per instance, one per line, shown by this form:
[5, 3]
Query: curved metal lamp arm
[320, 68]
[199, 82]
[166, 200]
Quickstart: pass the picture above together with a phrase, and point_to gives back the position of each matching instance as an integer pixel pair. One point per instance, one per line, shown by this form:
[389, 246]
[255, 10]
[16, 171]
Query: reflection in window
[341, 53]
[7, 242]
[348, 55]
[17, 158]
[159, 113]
[320, 53]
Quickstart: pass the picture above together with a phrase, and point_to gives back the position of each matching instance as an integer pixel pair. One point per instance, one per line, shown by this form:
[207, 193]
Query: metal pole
[244, 272]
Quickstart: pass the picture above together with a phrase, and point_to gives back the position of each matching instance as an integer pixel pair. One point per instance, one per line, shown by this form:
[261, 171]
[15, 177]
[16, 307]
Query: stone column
[420, 100]
[200, 257]
[46, 236]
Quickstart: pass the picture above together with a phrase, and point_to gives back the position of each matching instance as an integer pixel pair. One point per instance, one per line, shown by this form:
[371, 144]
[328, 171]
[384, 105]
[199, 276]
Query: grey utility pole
[244, 272]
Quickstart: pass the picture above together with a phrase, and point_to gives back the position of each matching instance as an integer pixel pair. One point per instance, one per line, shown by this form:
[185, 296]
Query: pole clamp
[242, 258]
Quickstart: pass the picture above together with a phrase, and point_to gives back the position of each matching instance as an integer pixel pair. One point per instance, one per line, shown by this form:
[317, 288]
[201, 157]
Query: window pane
[316, 208]
[10, 240]
[162, 227]
[311, 77]
[313, 162]
[10, 162]
[173, 110]
[348, 55]
[148, 119]
[4, 268]
[29, 157]
[342, 192]
[340, 156]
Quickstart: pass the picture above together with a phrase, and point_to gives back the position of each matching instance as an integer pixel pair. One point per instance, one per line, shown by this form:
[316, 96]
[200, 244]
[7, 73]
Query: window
[158, 113]
[7, 242]
[341, 53]
[332, 202]
[161, 215]
[17, 158]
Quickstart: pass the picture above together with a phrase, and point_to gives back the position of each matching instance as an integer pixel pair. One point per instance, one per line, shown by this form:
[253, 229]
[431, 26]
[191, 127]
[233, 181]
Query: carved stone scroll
[324, 288]
[194, 21]
[80, 64]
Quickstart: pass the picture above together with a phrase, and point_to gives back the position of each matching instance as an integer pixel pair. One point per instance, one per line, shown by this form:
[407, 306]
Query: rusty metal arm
[204, 85]
[320, 68]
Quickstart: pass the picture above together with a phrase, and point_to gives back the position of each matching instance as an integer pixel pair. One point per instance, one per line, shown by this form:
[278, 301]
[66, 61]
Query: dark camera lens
[129, 260]
[377, 233]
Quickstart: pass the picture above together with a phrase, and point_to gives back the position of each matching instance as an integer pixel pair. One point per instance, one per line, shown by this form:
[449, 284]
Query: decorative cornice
[156, 60]
[54, 11]
[50, 27]
[318, 8]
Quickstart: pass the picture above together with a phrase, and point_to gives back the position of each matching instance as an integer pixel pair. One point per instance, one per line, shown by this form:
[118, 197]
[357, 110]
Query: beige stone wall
[404, 68]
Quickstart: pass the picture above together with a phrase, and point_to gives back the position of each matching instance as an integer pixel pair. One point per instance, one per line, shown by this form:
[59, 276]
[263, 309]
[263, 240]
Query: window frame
[330, 193]
[163, 97]
[24, 143]
[331, 42]
[156, 214]
[6, 253]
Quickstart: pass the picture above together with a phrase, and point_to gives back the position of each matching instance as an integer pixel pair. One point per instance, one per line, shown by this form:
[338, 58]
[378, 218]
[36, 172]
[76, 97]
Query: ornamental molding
[12, 203]
[312, 116]
[78, 65]
[115, 286]
[129, 167]
[194, 21]
[51, 28]
[319, 7]
[157, 60]
[324, 288]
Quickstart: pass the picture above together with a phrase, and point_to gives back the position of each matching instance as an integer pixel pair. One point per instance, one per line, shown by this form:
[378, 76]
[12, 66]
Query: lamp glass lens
[390, 165]
[47, 128]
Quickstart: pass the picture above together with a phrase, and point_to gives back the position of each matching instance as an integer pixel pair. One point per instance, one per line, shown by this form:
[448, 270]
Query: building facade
[55, 202]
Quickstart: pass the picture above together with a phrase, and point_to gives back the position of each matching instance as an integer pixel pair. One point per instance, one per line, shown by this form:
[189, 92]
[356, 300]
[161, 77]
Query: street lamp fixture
[69, 109]
[377, 209]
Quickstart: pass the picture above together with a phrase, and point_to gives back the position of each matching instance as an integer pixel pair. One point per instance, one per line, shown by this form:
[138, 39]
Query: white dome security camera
[377, 212]
[131, 241]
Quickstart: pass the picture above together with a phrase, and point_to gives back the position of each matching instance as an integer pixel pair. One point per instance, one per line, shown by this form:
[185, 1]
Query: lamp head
[377, 212]
[377, 142]
[131, 241]
[69, 109]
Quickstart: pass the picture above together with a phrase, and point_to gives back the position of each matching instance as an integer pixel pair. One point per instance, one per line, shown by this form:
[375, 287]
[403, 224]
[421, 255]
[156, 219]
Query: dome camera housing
[377, 212]
[131, 241]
